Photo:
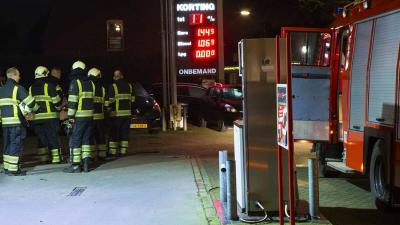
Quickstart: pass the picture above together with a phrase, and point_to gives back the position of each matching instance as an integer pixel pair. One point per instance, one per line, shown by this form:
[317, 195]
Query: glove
[71, 120]
[67, 126]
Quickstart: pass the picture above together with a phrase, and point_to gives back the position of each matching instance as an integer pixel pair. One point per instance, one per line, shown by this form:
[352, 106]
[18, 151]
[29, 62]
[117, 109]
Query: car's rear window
[197, 92]
[232, 93]
[140, 91]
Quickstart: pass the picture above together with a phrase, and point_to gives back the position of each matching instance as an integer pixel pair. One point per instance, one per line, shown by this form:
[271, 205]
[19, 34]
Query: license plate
[139, 125]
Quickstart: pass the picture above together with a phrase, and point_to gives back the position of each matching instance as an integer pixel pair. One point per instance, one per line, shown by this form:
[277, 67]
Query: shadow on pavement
[348, 216]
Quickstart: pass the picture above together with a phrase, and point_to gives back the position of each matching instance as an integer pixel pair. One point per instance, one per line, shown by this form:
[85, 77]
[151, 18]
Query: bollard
[223, 156]
[185, 113]
[164, 122]
[313, 189]
[231, 190]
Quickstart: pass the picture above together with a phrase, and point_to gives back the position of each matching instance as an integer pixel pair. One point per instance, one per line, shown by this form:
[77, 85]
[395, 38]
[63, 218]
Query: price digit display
[204, 54]
[205, 32]
[205, 42]
[196, 18]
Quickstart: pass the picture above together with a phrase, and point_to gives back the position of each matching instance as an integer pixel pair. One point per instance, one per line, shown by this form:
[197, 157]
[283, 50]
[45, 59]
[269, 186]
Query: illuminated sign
[196, 37]
[115, 35]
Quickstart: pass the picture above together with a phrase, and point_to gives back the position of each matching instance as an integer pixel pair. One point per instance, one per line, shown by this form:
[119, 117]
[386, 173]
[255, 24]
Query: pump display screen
[196, 37]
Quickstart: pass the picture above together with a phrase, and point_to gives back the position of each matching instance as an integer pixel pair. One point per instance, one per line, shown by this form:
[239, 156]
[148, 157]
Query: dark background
[58, 32]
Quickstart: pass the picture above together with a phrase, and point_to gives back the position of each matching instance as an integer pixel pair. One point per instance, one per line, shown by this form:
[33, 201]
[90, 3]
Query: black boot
[19, 172]
[86, 164]
[73, 168]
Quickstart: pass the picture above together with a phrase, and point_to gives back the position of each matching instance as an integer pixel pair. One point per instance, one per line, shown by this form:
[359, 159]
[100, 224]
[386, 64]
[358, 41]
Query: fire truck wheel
[377, 177]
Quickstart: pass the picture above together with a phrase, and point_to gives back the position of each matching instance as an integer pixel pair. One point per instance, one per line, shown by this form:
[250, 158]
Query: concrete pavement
[138, 189]
[159, 184]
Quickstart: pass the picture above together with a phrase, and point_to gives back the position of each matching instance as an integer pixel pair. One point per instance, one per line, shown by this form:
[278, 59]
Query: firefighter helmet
[78, 64]
[41, 72]
[94, 72]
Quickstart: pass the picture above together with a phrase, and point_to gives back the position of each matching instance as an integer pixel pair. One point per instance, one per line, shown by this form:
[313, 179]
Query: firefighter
[80, 114]
[46, 123]
[55, 78]
[98, 117]
[120, 96]
[15, 106]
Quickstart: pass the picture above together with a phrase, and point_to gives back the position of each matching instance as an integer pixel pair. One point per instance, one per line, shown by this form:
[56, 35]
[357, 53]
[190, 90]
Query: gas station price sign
[196, 37]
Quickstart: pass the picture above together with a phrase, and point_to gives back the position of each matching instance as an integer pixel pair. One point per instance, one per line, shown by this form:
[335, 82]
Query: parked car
[222, 105]
[188, 93]
[147, 112]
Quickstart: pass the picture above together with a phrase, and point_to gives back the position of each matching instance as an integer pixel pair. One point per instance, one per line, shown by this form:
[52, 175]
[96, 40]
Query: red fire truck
[354, 65]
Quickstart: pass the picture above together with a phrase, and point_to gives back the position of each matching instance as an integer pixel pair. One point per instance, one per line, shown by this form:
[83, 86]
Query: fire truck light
[304, 49]
[326, 55]
[328, 45]
[362, 167]
[365, 4]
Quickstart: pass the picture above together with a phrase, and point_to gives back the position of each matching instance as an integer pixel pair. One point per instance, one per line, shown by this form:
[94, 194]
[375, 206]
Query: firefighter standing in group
[46, 123]
[80, 113]
[15, 106]
[120, 96]
[98, 117]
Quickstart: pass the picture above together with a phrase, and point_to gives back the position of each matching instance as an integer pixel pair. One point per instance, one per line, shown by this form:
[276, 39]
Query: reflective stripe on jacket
[80, 99]
[119, 98]
[47, 98]
[98, 102]
[11, 95]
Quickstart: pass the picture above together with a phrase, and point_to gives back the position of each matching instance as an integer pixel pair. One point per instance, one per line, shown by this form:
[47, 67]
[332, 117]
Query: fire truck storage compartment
[311, 88]
[358, 78]
[382, 75]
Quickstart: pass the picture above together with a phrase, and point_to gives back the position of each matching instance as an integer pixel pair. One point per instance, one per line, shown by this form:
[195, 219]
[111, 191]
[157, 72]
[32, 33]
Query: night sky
[35, 29]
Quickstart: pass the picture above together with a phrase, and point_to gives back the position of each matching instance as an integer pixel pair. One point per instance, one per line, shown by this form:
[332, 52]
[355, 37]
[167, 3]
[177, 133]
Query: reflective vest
[11, 96]
[98, 102]
[80, 99]
[47, 98]
[120, 97]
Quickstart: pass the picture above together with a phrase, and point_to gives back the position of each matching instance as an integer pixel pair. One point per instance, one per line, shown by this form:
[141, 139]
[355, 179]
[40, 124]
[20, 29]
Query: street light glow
[304, 49]
[245, 12]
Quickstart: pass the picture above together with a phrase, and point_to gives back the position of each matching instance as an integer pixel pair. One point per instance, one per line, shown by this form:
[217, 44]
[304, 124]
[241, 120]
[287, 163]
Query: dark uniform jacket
[120, 96]
[56, 83]
[80, 96]
[11, 95]
[48, 100]
[99, 99]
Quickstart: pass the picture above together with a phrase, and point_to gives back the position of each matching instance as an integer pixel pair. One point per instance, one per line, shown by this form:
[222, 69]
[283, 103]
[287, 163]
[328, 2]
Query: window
[115, 35]
[232, 93]
[182, 90]
[196, 92]
[310, 48]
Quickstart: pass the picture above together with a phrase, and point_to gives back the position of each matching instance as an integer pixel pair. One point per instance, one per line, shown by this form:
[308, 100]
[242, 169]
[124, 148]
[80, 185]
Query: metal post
[280, 172]
[164, 122]
[164, 64]
[313, 189]
[171, 10]
[231, 190]
[290, 130]
[185, 114]
[221, 57]
[223, 156]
